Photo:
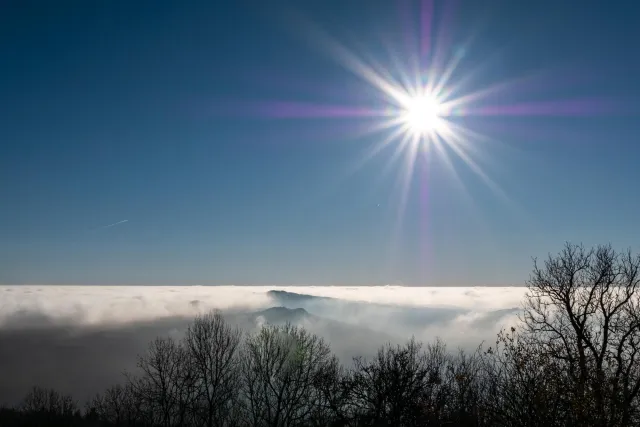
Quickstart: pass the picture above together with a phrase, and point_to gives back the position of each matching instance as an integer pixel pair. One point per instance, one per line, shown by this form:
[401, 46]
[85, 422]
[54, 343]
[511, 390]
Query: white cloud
[108, 325]
[120, 304]
[463, 316]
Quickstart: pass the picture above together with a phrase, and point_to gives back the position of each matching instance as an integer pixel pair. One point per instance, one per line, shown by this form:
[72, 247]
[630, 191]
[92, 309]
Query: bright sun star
[421, 115]
[425, 108]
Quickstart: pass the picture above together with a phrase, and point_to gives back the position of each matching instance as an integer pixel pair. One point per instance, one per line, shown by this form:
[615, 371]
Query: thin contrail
[115, 223]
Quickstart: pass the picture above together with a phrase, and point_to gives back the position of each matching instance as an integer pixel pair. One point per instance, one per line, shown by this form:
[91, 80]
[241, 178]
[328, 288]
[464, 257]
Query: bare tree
[402, 385]
[165, 386]
[118, 405]
[43, 406]
[281, 368]
[523, 386]
[583, 311]
[335, 406]
[50, 401]
[466, 388]
[212, 346]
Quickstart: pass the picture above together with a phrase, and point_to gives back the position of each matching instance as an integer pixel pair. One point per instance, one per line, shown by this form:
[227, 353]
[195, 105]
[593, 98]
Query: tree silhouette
[582, 311]
[165, 387]
[118, 405]
[522, 386]
[213, 346]
[401, 386]
[49, 401]
[45, 406]
[281, 369]
[570, 361]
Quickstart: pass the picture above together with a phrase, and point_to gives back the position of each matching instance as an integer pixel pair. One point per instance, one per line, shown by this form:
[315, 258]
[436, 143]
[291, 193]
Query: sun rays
[421, 115]
[421, 94]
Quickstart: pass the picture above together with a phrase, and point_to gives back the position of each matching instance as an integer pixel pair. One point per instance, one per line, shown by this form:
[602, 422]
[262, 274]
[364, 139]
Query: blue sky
[161, 113]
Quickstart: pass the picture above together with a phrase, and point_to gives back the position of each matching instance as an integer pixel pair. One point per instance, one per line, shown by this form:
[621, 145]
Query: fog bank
[79, 339]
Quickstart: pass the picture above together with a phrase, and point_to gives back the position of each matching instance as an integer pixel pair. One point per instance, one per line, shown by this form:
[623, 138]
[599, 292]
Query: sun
[421, 114]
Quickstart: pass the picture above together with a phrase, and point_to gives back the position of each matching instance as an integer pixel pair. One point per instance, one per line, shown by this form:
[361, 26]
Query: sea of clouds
[93, 305]
[80, 339]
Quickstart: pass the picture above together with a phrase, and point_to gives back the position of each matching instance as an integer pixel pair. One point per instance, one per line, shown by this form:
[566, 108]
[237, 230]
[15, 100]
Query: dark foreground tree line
[572, 360]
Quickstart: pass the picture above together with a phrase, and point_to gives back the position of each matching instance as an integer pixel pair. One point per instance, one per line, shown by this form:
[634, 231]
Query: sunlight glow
[421, 115]
[422, 106]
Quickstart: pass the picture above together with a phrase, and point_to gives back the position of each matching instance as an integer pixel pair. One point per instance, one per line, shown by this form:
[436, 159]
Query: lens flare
[423, 102]
[421, 115]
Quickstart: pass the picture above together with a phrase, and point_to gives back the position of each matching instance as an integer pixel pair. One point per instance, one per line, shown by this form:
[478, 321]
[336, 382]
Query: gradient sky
[162, 113]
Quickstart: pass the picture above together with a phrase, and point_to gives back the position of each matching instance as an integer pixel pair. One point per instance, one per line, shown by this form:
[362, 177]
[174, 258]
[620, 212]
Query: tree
[212, 347]
[401, 386]
[44, 406]
[165, 385]
[335, 406]
[281, 369]
[582, 310]
[118, 405]
[466, 389]
[522, 386]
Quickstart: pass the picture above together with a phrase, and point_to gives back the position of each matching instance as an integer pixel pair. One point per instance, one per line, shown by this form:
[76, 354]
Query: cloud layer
[79, 339]
[92, 305]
